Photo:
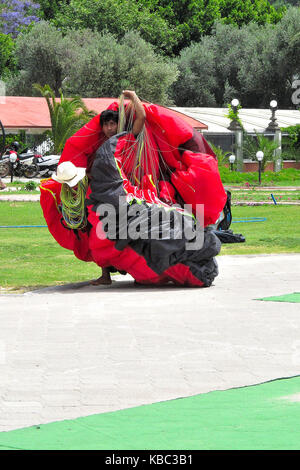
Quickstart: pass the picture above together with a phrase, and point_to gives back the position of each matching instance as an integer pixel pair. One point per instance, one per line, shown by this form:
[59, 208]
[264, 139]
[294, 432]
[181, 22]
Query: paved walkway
[19, 197]
[78, 350]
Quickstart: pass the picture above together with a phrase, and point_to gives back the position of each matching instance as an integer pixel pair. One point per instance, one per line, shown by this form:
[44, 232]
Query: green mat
[265, 416]
[294, 298]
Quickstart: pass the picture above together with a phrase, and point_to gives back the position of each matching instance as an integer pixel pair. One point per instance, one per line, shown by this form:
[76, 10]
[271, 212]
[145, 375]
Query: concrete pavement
[77, 350]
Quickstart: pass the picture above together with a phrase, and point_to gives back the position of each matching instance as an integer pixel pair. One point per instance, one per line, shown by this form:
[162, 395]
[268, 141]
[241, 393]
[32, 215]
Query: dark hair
[109, 115]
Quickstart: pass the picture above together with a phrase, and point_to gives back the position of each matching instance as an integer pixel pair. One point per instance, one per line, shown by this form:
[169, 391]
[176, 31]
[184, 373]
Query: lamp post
[274, 129]
[260, 157]
[273, 125]
[231, 161]
[234, 124]
[238, 131]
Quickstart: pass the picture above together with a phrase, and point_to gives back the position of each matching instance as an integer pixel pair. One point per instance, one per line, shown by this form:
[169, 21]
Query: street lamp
[273, 125]
[236, 127]
[273, 104]
[260, 157]
[231, 161]
[234, 124]
[274, 129]
[234, 103]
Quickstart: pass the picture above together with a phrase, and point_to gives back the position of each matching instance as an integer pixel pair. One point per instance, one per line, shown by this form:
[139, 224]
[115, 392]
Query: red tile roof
[22, 112]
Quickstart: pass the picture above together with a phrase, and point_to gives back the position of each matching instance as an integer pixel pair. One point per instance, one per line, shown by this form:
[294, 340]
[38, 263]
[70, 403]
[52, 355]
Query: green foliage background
[182, 52]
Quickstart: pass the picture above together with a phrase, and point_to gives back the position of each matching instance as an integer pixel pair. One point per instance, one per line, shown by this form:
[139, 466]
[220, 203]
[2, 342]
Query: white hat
[68, 173]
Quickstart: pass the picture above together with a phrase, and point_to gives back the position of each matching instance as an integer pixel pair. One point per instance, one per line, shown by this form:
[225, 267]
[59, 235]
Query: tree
[271, 62]
[280, 3]
[195, 18]
[191, 18]
[243, 12]
[40, 53]
[104, 66]
[117, 17]
[197, 81]
[67, 116]
[288, 61]
[7, 58]
[90, 64]
[229, 44]
[253, 63]
[209, 69]
[49, 8]
[17, 14]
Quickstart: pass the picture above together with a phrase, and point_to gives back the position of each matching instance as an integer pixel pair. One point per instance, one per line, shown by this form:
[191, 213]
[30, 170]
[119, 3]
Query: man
[109, 122]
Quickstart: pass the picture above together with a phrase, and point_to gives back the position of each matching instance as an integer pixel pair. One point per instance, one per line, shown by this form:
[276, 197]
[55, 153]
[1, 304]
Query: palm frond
[67, 115]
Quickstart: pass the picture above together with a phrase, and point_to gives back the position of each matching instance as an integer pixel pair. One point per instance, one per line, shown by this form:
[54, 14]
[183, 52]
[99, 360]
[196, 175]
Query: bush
[21, 138]
[291, 143]
[30, 186]
[290, 154]
[260, 142]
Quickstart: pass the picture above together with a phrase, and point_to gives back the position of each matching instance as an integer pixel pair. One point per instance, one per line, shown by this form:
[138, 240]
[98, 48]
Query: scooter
[47, 165]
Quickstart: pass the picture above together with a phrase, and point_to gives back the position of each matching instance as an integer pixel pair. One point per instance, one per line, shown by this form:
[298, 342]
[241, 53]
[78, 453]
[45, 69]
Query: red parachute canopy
[174, 164]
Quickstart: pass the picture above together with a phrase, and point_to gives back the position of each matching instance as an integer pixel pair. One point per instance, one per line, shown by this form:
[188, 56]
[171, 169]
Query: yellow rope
[73, 204]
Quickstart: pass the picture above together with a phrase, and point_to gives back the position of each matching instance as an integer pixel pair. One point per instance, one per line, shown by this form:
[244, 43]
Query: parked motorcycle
[15, 164]
[46, 165]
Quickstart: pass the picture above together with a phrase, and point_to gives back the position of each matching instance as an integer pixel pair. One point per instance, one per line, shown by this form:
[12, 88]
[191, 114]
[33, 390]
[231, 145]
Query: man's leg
[104, 279]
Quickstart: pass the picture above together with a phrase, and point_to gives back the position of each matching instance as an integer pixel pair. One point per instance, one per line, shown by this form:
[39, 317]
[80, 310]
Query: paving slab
[78, 349]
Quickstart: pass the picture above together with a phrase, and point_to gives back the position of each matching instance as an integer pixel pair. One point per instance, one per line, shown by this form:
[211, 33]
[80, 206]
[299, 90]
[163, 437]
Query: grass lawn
[21, 187]
[31, 257]
[266, 184]
[279, 233]
[264, 195]
[286, 177]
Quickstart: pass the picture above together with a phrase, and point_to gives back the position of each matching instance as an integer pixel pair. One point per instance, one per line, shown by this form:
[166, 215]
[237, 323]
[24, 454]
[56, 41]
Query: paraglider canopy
[168, 164]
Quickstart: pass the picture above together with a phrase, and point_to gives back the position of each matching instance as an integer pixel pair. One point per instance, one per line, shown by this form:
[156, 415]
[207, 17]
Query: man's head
[109, 122]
